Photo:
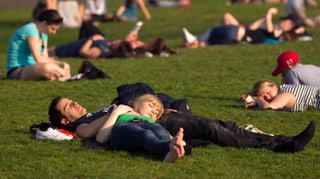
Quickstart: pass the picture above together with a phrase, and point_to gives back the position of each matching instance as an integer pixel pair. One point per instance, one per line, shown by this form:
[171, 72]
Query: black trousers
[87, 30]
[199, 131]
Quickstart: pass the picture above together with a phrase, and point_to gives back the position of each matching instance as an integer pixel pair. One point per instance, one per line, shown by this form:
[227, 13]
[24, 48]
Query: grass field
[212, 79]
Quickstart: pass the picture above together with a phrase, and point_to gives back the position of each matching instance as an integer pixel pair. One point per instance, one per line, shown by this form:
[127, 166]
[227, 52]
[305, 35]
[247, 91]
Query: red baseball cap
[284, 60]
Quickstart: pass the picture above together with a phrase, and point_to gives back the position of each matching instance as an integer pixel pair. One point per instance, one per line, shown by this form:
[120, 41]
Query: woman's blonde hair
[135, 104]
[260, 85]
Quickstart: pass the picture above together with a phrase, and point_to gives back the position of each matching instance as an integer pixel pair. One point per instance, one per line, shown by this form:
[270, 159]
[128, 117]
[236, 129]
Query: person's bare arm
[282, 100]
[144, 9]
[269, 25]
[34, 44]
[120, 10]
[302, 16]
[256, 24]
[51, 4]
[104, 132]
[91, 129]
[91, 52]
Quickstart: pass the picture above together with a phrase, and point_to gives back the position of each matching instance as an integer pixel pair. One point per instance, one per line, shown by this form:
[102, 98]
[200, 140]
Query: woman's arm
[300, 13]
[256, 24]
[103, 134]
[34, 44]
[51, 4]
[91, 52]
[120, 10]
[282, 100]
[269, 24]
[144, 9]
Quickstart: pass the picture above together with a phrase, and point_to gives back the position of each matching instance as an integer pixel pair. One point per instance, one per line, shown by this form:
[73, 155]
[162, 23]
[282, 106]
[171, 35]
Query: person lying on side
[293, 98]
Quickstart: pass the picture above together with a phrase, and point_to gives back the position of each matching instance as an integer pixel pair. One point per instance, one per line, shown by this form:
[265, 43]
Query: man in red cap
[294, 72]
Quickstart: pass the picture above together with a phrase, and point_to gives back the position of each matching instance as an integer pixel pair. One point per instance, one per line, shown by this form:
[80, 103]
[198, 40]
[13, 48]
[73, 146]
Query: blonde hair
[260, 85]
[148, 98]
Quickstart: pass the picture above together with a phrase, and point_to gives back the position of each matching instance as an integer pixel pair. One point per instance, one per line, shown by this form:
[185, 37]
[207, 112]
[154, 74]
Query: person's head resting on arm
[266, 89]
[148, 105]
[267, 95]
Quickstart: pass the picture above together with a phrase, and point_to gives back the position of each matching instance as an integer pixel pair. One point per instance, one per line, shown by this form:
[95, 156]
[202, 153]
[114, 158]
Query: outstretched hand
[272, 11]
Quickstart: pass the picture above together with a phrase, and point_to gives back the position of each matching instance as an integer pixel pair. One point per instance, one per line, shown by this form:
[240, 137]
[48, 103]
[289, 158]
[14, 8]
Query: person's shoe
[164, 54]
[75, 77]
[304, 137]
[251, 128]
[52, 134]
[187, 37]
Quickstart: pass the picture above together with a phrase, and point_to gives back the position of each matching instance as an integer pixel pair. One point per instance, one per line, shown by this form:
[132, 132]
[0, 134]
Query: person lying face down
[268, 95]
[124, 124]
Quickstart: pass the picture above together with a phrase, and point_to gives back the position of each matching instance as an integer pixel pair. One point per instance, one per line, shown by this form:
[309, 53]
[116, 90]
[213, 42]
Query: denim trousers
[140, 135]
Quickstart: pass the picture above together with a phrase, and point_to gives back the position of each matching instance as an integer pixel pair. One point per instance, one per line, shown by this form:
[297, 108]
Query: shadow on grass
[92, 144]
[235, 101]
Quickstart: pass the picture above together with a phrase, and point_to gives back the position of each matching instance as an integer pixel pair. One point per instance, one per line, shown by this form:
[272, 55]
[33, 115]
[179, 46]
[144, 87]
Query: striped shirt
[307, 97]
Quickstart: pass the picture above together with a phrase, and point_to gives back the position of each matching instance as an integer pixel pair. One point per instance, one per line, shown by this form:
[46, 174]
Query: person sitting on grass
[295, 73]
[113, 124]
[235, 34]
[297, 9]
[268, 95]
[27, 55]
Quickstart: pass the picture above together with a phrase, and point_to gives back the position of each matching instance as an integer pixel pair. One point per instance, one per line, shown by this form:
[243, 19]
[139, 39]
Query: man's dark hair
[55, 115]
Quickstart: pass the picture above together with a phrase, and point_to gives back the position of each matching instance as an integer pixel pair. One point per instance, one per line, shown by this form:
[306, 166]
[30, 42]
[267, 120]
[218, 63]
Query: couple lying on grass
[139, 120]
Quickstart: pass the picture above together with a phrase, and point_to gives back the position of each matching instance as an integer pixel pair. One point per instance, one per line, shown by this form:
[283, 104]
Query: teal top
[130, 117]
[19, 54]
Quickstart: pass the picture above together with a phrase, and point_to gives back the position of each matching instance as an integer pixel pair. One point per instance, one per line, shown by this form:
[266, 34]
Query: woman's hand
[122, 109]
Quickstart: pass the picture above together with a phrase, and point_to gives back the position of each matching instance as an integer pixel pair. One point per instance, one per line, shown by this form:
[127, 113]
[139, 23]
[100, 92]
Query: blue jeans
[224, 34]
[140, 135]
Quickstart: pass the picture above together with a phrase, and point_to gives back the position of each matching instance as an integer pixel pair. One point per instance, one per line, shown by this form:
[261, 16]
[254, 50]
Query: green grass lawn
[212, 79]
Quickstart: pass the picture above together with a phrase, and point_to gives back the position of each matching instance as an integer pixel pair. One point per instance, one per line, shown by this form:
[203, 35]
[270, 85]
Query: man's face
[70, 110]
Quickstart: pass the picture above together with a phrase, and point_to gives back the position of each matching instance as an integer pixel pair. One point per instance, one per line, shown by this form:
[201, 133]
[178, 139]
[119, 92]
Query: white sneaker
[187, 37]
[164, 54]
[75, 77]
[52, 134]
